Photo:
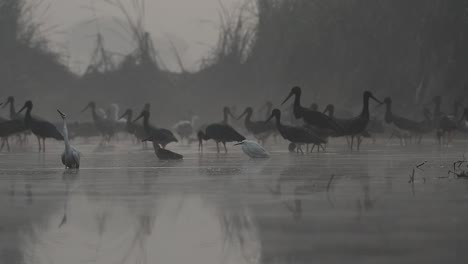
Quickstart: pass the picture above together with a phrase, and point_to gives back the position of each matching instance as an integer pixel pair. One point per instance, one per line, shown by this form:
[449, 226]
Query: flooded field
[125, 206]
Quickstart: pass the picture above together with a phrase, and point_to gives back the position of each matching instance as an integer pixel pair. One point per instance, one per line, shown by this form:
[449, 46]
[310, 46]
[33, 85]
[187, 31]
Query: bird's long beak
[287, 98]
[147, 139]
[124, 115]
[84, 109]
[268, 120]
[22, 109]
[4, 104]
[240, 143]
[377, 100]
[138, 118]
[327, 109]
[243, 114]
[61, 114]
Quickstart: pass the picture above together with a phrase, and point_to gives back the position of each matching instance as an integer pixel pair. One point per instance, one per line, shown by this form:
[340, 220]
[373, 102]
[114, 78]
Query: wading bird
[105, 126]
[9, 128]
[40, 128]
[356, 127]
[185, 128]
[260, 129]
[160, 136]
[313, 118]
[443, 123]
[134, 129]
[253, 149]
[415, 128]
[163, 154]
[219, 132]
[70, 156]
[296, 134]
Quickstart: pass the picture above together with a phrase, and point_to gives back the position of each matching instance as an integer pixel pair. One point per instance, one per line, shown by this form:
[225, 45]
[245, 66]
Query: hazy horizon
[71, 28]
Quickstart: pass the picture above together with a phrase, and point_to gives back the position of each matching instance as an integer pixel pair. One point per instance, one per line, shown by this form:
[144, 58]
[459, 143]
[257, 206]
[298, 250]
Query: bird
[70, 156]
[443, 123]
[298, 135]
[309, 116]
[163, 154]
[260, 129]
[356, 127]
[219, 132]
[135, 129]
[105, 126]
[161, 136]
[9, 128]
[40, 128]
[253, 149]
[185, 128]
[21, 137]
[415, 128]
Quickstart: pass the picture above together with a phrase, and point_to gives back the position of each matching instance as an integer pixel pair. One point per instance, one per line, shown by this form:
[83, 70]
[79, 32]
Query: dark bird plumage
[220, 132]
[40, 128]
[311, 117]
[164, 154]
[161, 136]
[355, 127]
[296, 134]
[260, 129]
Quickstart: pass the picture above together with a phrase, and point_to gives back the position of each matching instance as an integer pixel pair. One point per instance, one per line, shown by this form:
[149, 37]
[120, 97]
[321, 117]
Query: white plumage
[185, 128]
[253, 149]
[70, 156]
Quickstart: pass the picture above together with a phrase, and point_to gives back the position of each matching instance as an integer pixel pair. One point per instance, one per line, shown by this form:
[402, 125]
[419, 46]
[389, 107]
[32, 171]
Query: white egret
[253, 149]
[71, 156]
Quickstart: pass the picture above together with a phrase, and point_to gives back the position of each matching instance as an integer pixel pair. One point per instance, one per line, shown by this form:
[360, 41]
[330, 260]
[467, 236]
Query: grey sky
[192, 22]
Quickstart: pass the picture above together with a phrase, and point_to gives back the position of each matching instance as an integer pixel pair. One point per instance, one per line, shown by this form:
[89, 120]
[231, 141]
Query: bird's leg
[39, 142]
[217, 146]
[347, 141]
[43, 145]
[3, 143]
[352, 142]
[312, 149]
[225, 149]
[359, 141]
[8, 144]
[307, 148]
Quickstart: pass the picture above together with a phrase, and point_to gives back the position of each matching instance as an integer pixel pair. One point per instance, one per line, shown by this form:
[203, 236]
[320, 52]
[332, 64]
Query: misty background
[194, 57]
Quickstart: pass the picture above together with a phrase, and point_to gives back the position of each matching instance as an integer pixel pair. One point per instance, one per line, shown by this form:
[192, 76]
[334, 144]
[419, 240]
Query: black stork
[311, 117]
[356, 127]
[443, 123]
[220, 132]
[296, 134]
[415, 128]
[134, 129]
[9, 128]
[160, 136]
[163, 154]
[40, 128]
[105, 126]
[260, 129]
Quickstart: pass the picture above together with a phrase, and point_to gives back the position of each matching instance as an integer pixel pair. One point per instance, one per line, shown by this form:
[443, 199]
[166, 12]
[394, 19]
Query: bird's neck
[94, 114]
[12, 110]
[331, 113]
[27, 117]
[65, 135]
[388, 112]
[365, 107]
[225, 118]
[129, 119]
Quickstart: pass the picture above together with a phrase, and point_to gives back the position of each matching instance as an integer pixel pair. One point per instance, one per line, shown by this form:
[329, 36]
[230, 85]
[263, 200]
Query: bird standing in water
[40, 128]
[261, 130]
[70, 156]
[253, 149]
[296, 134]
[163, 154]
[219, 132]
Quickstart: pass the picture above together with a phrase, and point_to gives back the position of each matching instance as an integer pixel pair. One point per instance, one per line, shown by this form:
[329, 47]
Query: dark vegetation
[334, 49]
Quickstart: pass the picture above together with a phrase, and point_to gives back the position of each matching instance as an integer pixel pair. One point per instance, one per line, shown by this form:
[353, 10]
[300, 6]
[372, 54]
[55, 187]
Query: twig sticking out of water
[411, 177]
[420, 165]
[330, 182]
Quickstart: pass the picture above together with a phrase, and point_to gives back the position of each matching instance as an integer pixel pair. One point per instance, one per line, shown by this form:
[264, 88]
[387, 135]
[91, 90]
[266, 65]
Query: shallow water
[125, 206]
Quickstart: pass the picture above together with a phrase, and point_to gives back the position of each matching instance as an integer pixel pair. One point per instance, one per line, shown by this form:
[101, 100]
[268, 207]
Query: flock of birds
[313, 129]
